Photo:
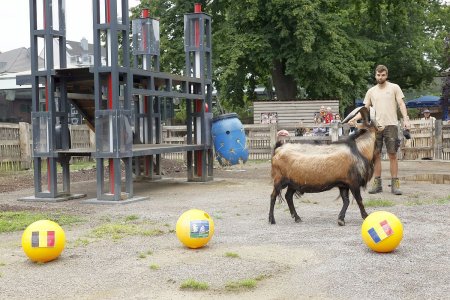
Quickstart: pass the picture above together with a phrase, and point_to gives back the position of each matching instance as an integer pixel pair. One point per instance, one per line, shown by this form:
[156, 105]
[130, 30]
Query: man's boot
[395, 186]
[376, 186]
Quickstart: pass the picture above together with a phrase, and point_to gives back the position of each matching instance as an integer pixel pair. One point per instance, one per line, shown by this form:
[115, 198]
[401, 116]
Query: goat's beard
[381, 81]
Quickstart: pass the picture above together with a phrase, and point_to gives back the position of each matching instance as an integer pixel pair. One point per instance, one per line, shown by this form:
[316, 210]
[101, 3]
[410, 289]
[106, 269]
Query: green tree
[326, 48]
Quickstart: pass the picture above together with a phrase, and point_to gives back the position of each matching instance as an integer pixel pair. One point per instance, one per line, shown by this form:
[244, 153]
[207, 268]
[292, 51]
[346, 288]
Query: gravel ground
[313, 259]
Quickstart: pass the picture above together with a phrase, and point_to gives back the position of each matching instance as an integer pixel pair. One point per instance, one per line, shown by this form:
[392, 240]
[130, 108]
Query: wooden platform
[138, 149]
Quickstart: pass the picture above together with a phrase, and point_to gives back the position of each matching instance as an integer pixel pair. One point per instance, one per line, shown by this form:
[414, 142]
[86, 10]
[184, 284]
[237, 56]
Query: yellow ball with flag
[43, 241]
[194, 228]
[382, 231]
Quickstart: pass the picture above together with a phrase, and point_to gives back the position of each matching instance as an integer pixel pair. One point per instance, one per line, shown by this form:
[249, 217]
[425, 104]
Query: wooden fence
[427, 141]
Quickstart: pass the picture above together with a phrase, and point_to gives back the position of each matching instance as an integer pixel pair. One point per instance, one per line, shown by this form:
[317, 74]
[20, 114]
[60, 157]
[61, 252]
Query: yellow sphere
[43, 241]
[382, 231]
[194, 228]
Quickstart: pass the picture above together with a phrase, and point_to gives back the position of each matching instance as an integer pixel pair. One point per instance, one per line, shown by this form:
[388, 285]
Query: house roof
[17, 60]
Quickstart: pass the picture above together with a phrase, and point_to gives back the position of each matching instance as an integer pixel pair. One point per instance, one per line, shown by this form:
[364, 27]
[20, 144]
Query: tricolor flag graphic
[43, 239]
[380, 231]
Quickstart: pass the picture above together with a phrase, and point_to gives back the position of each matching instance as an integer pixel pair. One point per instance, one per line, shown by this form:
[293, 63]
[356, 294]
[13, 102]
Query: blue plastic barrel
[229, 139]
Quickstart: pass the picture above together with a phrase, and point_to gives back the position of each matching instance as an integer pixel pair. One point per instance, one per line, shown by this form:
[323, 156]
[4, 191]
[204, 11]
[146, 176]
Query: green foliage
[194, 285]
[19, 220]
[232, 255]
[312, 48]
[241, 284]
[378, 203]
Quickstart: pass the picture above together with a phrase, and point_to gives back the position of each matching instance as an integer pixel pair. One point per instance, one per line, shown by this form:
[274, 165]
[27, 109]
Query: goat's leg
[273, 198]
[357, 194]
[290, 201]
[345, 200]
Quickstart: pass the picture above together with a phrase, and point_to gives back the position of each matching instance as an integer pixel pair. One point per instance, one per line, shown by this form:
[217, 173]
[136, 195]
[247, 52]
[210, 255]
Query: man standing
[427, 117]
[384, 97]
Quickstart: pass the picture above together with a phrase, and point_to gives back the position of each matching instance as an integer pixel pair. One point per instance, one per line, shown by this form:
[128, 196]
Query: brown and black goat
[347, 164]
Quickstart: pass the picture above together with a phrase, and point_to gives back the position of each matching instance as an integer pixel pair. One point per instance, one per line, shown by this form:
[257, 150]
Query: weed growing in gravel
[378, 203]
[232, 255]
[154, 267]
[118, 230]
[441, 201]
[241, 284]
[194, 285]
[19, 220]
[81, 242]
[2, 264]
[142, 255]
[131, 218]
[217, 215]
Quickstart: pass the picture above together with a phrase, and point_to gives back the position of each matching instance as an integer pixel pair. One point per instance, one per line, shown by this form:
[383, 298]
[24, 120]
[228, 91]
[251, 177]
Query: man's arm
[404, 111]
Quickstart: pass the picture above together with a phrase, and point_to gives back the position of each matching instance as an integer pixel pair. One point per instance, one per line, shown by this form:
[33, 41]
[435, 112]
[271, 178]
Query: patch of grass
[131, 218]
[154, 267]
[81, 242]
[2, 264]
[19, 220]
[441, 201]
[115, 230]
[241, 284]
[144, 254]
[82, 165]
[232, 255]
[378, 203]
[119, 230]
[194, 285]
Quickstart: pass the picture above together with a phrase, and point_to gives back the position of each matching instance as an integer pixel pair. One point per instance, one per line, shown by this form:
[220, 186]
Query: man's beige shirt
[384, 101]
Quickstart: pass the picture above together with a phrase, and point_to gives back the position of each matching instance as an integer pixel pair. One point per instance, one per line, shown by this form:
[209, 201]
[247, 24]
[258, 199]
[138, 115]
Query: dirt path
[313, 259]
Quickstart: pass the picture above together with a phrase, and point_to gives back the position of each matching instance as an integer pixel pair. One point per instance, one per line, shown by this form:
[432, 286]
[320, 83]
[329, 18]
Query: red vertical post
[110, 100]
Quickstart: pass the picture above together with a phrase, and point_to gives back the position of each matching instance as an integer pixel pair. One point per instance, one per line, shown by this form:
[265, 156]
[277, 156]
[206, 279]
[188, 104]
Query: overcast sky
[15, 24]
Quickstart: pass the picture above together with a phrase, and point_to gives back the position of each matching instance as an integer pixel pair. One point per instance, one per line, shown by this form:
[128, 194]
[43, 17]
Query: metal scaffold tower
[120, 102]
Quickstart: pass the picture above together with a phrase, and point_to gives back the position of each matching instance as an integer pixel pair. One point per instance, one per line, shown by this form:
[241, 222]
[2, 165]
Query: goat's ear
[364, 114]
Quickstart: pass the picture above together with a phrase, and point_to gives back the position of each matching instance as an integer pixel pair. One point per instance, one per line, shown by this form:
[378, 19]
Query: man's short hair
[381, 68]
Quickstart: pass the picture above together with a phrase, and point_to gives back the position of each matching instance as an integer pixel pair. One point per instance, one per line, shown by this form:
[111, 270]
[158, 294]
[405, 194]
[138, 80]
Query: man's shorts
[390, 137]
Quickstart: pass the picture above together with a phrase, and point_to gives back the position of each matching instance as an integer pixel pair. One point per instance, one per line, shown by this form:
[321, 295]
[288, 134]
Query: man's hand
[406, 124]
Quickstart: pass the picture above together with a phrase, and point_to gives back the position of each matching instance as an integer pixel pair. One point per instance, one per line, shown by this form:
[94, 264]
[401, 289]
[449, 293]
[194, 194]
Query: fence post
[24, 144]
[334, 131]
[273, 134]
[438, 139]
[91, 138]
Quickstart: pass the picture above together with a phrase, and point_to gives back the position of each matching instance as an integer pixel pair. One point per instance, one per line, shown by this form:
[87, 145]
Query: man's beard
[381, 81]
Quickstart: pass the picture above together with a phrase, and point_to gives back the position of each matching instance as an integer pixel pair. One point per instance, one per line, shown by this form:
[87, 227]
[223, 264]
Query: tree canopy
[310, 48]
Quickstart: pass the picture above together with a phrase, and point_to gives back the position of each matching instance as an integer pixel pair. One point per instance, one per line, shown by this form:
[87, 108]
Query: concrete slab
[57, 199]
[125, 201]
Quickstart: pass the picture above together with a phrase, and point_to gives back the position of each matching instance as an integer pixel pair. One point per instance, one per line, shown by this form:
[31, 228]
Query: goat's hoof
[364, 216]
[271, 221]
[297, 220]
[341, 222]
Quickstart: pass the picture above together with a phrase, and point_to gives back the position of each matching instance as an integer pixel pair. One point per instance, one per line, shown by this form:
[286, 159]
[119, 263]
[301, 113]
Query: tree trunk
[285, 85]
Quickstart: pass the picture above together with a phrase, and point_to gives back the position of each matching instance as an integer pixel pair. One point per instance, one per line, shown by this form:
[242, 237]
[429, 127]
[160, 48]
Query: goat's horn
[362, 110]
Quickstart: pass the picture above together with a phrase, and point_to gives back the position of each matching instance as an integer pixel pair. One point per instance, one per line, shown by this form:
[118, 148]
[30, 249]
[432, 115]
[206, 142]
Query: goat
[348, 165]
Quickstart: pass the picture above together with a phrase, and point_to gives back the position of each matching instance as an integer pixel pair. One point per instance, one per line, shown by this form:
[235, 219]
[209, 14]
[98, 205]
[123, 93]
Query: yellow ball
[382, 231]
[194, 228]
[43, 241]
